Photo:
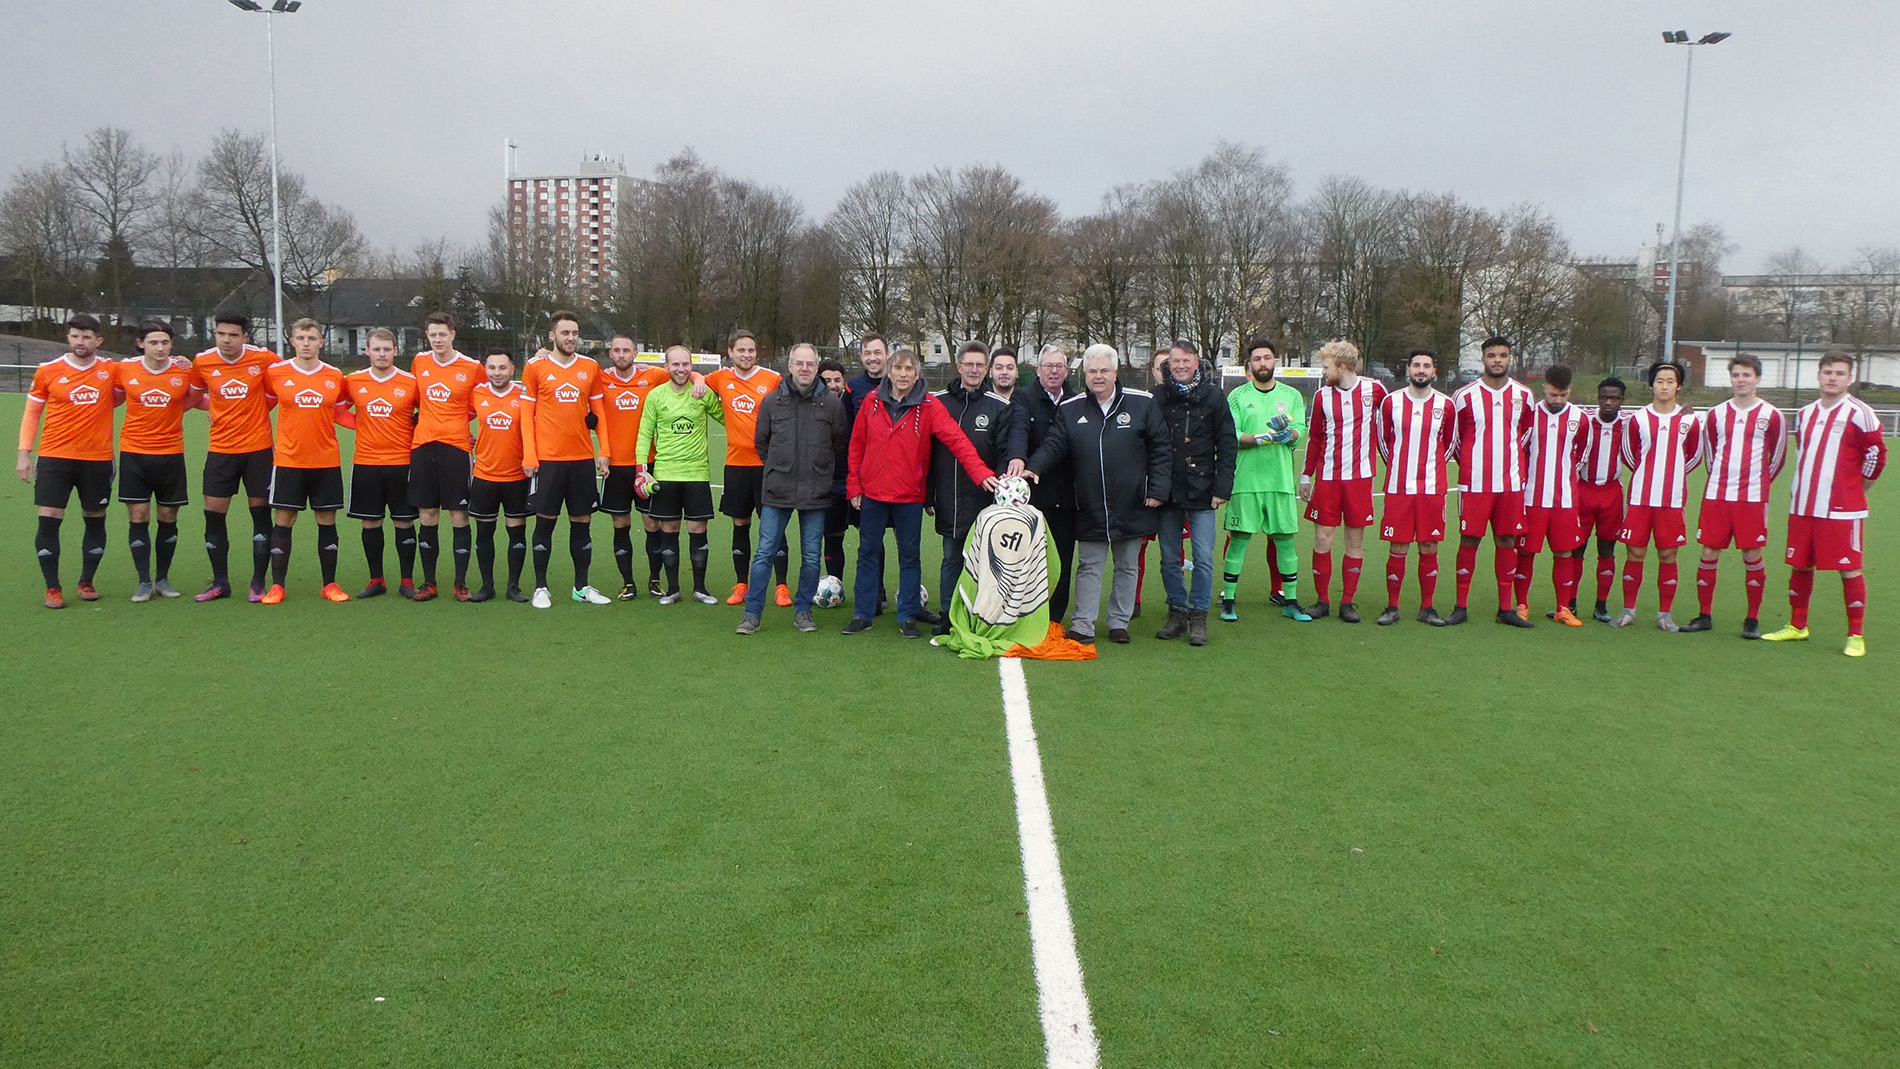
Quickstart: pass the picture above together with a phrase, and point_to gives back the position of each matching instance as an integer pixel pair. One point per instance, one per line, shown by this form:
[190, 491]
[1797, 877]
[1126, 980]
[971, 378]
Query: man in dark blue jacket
[994, 426]
[1054, 493]
[1201, 435]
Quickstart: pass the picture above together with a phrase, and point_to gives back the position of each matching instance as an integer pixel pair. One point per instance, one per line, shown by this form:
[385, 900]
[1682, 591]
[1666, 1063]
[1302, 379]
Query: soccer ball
[830, 592]
[1013, 491]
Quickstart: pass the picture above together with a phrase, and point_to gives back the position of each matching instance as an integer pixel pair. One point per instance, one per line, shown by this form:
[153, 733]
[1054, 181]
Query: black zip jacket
[1120, 458]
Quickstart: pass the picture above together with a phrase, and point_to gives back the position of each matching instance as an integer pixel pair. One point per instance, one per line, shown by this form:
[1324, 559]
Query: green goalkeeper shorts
[1269, 513]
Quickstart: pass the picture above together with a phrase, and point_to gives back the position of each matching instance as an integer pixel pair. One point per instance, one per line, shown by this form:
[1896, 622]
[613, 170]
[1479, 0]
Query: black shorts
[226, 472]
[439, 475]
[617, 495]
[486, 499]
[55, 479]
[681, 501]
[745, 487]
[144, 476]
[292, 488]
[379, 488]
[565, 482]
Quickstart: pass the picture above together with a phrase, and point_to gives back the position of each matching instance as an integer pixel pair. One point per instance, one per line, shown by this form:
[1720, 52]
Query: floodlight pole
[1682, 163]
[276, 209]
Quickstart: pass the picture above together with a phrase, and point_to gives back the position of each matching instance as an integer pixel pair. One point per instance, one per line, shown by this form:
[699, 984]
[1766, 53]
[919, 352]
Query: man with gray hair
[799, 434]
[1117, 444]
[1054, 493]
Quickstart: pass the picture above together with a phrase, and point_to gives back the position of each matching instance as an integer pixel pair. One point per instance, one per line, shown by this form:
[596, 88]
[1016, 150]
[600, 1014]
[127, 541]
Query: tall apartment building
[578, 217]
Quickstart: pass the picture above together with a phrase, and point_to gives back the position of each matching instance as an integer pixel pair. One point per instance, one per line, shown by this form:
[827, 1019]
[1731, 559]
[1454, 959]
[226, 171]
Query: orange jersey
[445, 392]
[385, 415]
[622, 400]
[155, 403]
[742, 398]
[560, 398]
[240, 405]
[78, 408]
[306, 414]
[498, 417]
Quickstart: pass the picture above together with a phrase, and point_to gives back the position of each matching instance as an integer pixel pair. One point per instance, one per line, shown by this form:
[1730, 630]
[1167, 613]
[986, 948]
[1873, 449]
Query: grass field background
[622, 835]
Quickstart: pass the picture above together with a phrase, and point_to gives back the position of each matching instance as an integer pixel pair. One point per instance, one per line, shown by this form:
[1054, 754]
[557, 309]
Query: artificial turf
[623, 835]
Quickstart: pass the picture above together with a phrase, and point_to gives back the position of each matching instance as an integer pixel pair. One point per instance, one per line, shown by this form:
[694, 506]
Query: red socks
[1394, 578]
[1800, 589]
[1323, 575]
[1854, 592]
[1467, 560]
[1504, 567]
[1427, 577]
[1565, 573]
[1349, 578]
[1705, 587]
[1526, 569]
[1755, 578]
[1606, 576]
[1665, 586]
[1632, 582]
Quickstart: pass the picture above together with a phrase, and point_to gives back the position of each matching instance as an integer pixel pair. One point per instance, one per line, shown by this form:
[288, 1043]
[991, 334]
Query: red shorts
[1502, 513]
[1742, 524]
[1829, 545]
[1665, 524]
[1341, 502]
[1560, 526]
[1413, 518]
[1600, 508]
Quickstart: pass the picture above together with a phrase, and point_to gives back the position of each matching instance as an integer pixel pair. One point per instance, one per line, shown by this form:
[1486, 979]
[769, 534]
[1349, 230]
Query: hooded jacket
[890, 445]
[1120, 458]
[996, 428]
[799, 436]
[1201, 437]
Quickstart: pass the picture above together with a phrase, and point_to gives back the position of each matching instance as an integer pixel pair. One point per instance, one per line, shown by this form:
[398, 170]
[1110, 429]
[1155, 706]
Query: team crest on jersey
[380, 407]
[499, 421]
[84, 395]
[177, 381]
[155, 399]
[459, 377]
[982, 423]
[235, 390]
[255, 370]
[439, 392]
[1122, 420]
[627, 402]
[1281, 406]
[567, 393]
[308, 399]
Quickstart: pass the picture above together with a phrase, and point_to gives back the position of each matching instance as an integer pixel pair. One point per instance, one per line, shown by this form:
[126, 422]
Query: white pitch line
[1067, 1030]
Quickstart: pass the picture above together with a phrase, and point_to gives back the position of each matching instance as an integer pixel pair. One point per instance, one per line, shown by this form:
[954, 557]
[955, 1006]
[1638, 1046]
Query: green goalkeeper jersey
[673, 427]
[1269, 467]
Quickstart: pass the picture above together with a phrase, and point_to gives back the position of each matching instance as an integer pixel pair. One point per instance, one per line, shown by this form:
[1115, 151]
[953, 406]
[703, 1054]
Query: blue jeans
[1200, 524]
[907, 519]
[773, 523]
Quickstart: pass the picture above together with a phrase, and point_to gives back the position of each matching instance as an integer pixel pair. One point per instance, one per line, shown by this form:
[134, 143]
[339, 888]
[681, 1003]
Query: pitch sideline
[1068, 1031]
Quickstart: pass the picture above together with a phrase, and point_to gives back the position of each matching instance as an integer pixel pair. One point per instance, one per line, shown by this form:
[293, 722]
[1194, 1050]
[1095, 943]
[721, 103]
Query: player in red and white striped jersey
[1417, 431]
[1553, 450]
[1745, 443]
[1600, 486]
[1493, 413]
[1841, 454]
[1342, 436]
[1662, 444]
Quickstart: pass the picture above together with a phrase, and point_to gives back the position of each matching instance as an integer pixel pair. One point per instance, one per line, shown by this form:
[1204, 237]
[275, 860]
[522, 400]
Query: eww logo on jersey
[744, 405]
[439, 392]
[685, 425]
[235, 390]
[499, 421]
[307, 399]
[567, 393]
[627, 402]
[380, 407]
[155, 399]
[84, 395]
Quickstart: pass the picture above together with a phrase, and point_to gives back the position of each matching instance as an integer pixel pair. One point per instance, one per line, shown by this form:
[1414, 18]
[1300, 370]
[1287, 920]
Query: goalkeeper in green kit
[1270, 422]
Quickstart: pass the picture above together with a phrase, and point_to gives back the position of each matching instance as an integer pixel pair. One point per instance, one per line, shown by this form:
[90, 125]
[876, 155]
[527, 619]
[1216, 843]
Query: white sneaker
[1665, 622]
[704, 598]
[591, 596]
[541, 599]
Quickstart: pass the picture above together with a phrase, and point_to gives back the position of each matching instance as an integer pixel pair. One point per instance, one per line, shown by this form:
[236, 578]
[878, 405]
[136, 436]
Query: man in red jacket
[889, 464]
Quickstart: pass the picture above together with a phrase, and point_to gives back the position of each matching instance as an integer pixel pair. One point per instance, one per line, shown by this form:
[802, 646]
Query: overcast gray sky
[397, 109]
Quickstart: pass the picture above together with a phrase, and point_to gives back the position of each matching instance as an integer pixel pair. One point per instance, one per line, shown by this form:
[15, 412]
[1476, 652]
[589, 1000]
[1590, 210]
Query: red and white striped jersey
[1839, 448]
[1491, 427]
[1342, 430]
[1746, 448]
[1553, 449]
[1603, 450]
[1660, 451]
[1416, 439]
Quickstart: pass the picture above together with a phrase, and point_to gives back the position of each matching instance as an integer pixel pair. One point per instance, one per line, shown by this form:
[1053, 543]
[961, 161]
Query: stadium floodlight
[279, 7]
[1681, 37]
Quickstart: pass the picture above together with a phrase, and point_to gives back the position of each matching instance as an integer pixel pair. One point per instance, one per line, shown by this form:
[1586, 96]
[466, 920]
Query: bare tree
[979, 248]
[1245, 200]
[1354, 233]
[233, 213]
[47, 235]
[1103, 258]
[1443, 243]
[1527, 294]
[761, 228]
[112, 178]
[867, 234]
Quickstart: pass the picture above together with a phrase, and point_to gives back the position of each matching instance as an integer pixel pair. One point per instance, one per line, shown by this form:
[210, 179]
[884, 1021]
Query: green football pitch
[389, 834]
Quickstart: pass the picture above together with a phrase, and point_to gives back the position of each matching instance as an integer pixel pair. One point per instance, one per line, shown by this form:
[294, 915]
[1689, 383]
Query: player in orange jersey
[74, 394]
[439, 465]
[384, 397]
[230, 381]
[155, 389]
[309, 468]
[742, 388]
[558, 452]
[500, 489]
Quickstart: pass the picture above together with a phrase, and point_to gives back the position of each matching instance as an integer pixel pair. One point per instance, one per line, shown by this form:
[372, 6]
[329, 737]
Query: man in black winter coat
[800, 430]
[1201, 435]
[1054, 493]
[1001, 438]
[1117, 443]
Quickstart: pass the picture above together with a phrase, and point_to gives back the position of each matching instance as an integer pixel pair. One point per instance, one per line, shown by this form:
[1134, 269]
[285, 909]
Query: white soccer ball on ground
[830, 592]
[1013, 491]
